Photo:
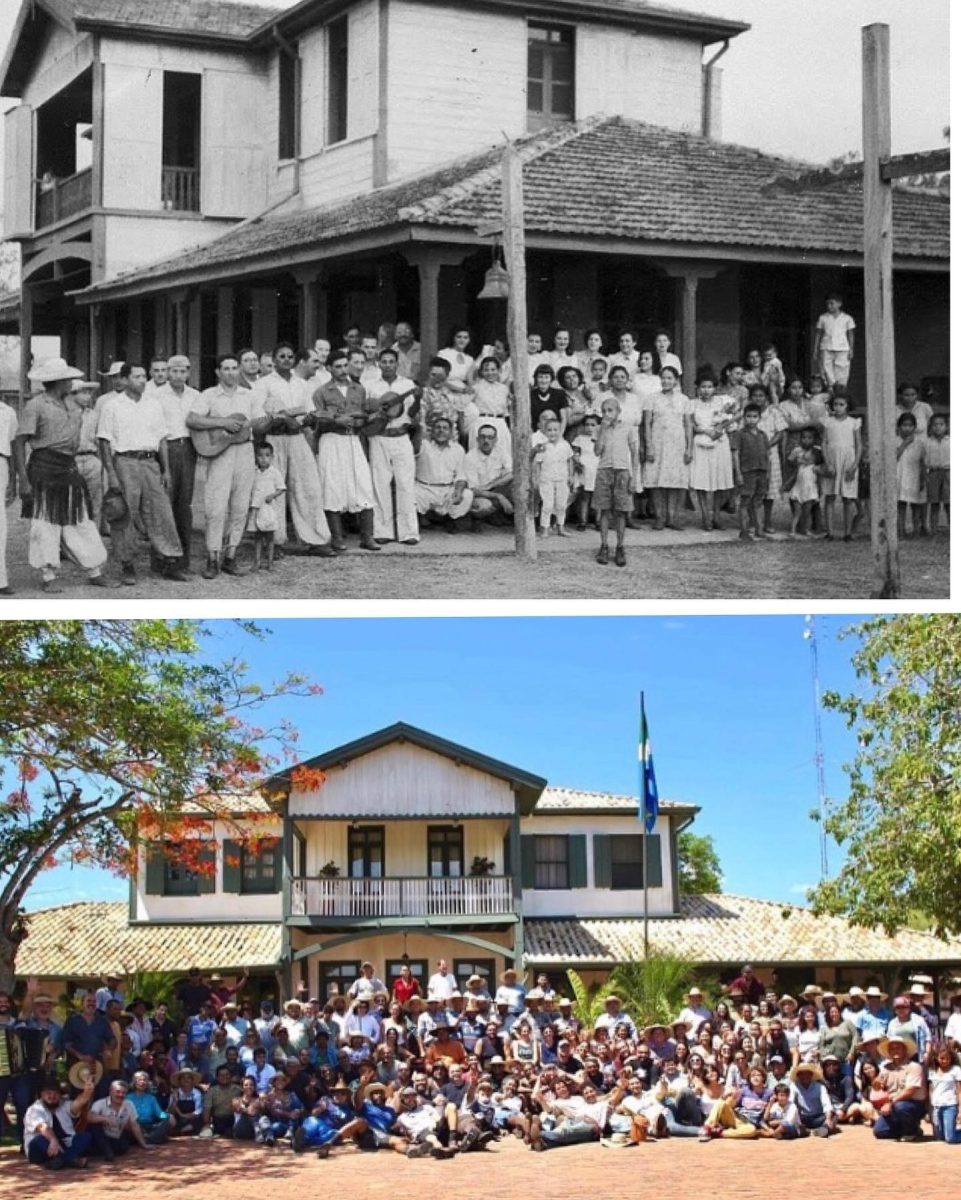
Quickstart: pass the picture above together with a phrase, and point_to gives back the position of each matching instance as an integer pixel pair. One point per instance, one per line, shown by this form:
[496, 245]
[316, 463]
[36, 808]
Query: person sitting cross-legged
[113, 1124]
[440, 488]
[49, 1136]
[900, 1117]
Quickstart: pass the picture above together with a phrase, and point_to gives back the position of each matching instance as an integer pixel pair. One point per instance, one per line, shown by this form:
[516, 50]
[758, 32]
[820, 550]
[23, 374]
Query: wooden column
[429, 271]
[688, 288]
[879, 310]
[306, 278]
[26, 336]
[225, 320]
[94, 348]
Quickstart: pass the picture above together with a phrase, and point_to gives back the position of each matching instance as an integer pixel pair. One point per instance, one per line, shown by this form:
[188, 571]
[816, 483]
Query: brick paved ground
[852, 1164]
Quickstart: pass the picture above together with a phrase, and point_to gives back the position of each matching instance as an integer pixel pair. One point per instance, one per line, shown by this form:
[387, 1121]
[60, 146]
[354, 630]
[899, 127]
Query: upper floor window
[550, 861]
[550, 75]
[259, 867]
[445, 851]
[365, 851]
[337, 80]
[180, 169]
[289, 87]
[179, 880]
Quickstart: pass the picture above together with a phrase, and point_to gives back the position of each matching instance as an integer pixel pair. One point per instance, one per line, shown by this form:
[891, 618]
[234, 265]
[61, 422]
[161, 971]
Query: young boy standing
[834, 342]
[751, 470]
[554, 477]
[617, 458]
[937, 470]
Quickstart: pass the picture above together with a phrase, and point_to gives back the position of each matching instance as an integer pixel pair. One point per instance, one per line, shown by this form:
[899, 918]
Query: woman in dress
[712, 470]
[668, 437]
[808, 1045]
[664, 356]
[841, 447]
[593, 348]
[492, 401]
[774, 425]
[646, 383]
[562, 353]
[753, 367]
[578, 403]
[461, 363]
[793, 408]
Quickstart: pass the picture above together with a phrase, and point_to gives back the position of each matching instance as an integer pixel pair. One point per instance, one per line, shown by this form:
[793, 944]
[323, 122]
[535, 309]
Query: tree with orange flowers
[113, 731]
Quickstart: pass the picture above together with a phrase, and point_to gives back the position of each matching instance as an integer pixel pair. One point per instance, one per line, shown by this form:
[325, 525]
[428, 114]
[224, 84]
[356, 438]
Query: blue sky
[729, 702]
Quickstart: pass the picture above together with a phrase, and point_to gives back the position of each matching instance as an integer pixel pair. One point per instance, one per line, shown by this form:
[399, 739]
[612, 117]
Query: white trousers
[439, 498]
[344, 474]
[392, 458]
[555, 496]
[4, 484]
[227, 491]
[295, 460]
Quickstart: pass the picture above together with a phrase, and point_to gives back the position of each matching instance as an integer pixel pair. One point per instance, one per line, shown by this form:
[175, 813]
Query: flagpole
[642, 803]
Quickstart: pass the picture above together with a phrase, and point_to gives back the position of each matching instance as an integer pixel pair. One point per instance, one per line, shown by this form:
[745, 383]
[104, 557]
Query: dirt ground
[690, 564]
[851, 1164]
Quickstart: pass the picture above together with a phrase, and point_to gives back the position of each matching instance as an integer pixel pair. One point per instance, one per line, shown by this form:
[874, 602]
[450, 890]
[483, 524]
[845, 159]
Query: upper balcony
[58, 199]
[469, 897]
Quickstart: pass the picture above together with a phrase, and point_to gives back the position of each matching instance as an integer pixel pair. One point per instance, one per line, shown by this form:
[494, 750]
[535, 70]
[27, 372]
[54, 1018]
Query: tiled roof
[221, 18]
[605, 177]
[81, 940]
[730, 929]
[560, 799]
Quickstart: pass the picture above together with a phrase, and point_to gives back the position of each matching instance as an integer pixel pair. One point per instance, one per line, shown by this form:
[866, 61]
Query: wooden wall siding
[638, 75]
[133, 123]
[457, 82]
[344, 170]
[232, 174]
[362, 69]
[62, 58]
[134, 241]
[405, 844]
[406, 781]
[313, 93]
[18, 175]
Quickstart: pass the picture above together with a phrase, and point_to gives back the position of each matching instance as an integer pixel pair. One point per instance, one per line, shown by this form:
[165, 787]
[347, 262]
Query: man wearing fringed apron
[59, 505]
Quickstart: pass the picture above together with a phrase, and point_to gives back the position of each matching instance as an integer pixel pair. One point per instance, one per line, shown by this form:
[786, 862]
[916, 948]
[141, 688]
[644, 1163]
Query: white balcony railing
[466, 896]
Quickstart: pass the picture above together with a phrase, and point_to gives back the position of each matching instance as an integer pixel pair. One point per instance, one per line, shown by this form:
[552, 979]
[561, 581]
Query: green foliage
[698, 864]
[588, 999]
[900, 825]
[159, 987]
[652, 990]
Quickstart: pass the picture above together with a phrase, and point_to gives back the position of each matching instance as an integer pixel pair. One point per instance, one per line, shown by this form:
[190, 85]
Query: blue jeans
[673, 1110]
[945, 1122]
[904, 1120]
[569, 1133]
[37, 1154]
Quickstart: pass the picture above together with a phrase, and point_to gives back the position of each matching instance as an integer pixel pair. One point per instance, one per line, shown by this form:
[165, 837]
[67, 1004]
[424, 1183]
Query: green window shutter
[154, 875]
[507, 853]
[527, 861]
[602, 860]
[577, 860]
[233, 866]
[207, 878]
[279, 865]
[654, 876]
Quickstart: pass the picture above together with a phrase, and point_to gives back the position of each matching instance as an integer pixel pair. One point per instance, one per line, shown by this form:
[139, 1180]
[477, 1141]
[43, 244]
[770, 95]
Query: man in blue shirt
[200, 1028]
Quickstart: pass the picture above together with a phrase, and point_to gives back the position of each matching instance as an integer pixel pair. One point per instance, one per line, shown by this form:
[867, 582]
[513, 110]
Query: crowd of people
[439, 1070]
[303, 446]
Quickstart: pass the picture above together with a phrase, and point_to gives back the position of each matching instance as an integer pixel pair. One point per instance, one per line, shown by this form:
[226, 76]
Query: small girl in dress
[910, 476]
[712, 470]
[805, 462]
[775, 425]
[263, 517]
[585, 466]
[841, 447]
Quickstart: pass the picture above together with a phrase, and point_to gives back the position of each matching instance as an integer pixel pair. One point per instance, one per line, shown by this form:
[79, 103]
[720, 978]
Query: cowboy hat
[786, 999]
[374, 1086]
[813, 1068]
[909, 1044]
[53, 370]
[114, 369]
[475, 979]
[855, 993]
[875, 991]
[612, 1000]
[535, 994]
[80, 1072]
[292, 1003]
[694, 991]
[565, 1002]
[812, 989]
[193, 1077]
[650, 1029]
[918, 989]
[507, 971]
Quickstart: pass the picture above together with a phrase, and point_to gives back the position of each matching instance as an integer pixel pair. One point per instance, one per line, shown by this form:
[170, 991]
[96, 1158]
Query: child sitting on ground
[263, 517]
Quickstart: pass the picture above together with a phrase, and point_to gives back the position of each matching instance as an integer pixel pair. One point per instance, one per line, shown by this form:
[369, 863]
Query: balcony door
[445, 851]
[365, 852]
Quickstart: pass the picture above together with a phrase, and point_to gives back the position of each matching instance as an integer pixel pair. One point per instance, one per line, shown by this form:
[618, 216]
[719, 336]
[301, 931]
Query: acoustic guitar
[210, 442]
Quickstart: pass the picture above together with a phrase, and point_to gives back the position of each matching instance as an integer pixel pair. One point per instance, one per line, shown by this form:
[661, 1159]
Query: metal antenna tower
[810, 636]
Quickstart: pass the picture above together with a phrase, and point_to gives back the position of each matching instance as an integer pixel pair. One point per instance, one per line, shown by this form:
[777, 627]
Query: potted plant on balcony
[481, 866]
[329, 870]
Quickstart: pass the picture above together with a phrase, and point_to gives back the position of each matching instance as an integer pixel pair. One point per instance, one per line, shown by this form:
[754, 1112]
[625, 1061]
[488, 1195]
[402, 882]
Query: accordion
[26, 1048]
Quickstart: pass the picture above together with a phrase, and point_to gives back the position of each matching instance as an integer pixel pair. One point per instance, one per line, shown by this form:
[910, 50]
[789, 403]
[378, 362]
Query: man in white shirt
[441, 478]
[176, 398]
[132, 433]
[694, 1012]
[393, 401]
[158, 375]
[490, 473]
[49, 1136]
[442, 983]
[408, 351]
[366, 984]
[113, 1124]
[287, 398]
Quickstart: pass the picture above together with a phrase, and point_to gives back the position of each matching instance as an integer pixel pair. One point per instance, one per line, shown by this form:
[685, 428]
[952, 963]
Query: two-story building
[414, 849]
[203, 176]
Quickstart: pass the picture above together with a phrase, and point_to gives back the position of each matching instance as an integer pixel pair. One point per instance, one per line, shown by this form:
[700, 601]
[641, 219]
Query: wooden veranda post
[525, 546]
[879, 309]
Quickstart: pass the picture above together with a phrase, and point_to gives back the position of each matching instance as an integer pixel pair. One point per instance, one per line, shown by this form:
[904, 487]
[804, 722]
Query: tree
[654, 990]
[114, 731]
[698, 864]
[900, 825]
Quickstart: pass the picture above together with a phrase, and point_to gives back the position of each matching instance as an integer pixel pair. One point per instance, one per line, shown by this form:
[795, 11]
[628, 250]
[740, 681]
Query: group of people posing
[301, 446]
[444, 1070]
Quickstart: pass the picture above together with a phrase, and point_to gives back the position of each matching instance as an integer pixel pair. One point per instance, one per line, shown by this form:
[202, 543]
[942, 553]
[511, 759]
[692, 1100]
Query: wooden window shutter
[508, 866]
[233, 866]
[577, 860]
[154, 874]
[655, 876]
[207, 876]
[602, 860]
[527, 861]
[279, 865]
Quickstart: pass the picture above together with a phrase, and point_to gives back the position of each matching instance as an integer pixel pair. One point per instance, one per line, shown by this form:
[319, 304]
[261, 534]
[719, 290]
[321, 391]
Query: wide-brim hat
[194, 1078]
[918, 989]
[374, 1086]
[535, 994]
[650, 1029]
[812, 989]
[475, 979]
[114, 369]
[813, 1068]
[874, 992]
[507, 971]
[565, 1002]
[694, 991]
[855, 993]
[472, 1006]
[909, 1044]
[292, 1003]
[786, 999]
[80, 1072]
[53, 370]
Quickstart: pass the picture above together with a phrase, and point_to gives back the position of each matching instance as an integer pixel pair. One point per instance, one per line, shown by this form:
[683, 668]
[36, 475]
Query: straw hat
[193, 1078]
[374, 1086]
[812, 989]
[786, 999]
[114, 369]
[694, 991]
[813, 1068]
[650, 1029]
[507, 971]
[909, 1044]
[80, 1072]
[918, 989]
[875, 992]
[53, 370]
[535, 994]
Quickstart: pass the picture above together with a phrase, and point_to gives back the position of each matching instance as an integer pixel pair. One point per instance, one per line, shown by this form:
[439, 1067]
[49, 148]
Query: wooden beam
[879, 311]
[898, 166]
[512, 186]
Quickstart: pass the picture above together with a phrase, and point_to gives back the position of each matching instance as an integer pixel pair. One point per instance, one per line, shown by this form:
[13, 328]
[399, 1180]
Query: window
[464, 968]
[180, 171]
[178, 881]
[618, 860]
[627, 861]
[337, 977]
[288, 74]
[445, 851]
[418, 968]
[258, 868]
[550, 75]
[550, 861]
[365, 852]
[337, 80]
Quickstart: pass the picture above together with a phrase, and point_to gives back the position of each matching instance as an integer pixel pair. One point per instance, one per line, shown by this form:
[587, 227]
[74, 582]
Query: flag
[648, 807]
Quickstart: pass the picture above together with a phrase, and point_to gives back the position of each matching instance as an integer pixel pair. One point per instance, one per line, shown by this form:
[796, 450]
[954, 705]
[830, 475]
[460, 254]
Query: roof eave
[56, 12]
[153, 33]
